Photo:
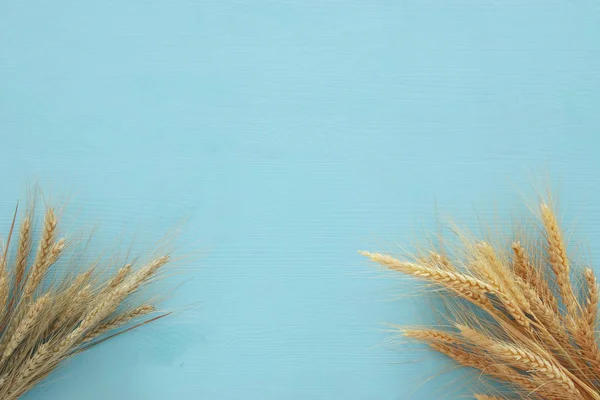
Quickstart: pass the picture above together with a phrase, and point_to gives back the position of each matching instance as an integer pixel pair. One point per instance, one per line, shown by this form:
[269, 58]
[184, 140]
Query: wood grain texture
[291, 134]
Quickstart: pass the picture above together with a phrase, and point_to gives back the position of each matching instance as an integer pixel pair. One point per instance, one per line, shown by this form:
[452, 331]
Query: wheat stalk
[118, 321]
[591, 305]
[540, 342]
[23, 251]
[557, 255]
[38, 269]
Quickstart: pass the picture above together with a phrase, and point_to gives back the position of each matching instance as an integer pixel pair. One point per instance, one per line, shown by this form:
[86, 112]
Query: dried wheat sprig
[118, 321]
[552, 329]
[32, 315]
[559, 261]
[437, 260]
[461, 355]
[498, 272]
[119, 277]
[521, 265]
[454, 280]
[40, 264]
[23, 251]
[470, 287]
[591, 304]
[39, 364]
[55, 252]
[588, 345]
[116, 280]
[145, 273]
[534, 387]
[522, 358]
[76, 306]
[98, 311]
[429, 335]
[108, 303]
[529, 361]
[496, 371]
[4, 290]
[526, 270]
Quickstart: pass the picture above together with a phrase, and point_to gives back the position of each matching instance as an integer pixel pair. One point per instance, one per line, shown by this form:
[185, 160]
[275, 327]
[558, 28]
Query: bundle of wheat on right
[522, 314]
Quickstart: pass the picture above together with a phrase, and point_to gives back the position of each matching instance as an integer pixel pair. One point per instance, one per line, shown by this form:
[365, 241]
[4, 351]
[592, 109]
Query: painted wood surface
[290, 134]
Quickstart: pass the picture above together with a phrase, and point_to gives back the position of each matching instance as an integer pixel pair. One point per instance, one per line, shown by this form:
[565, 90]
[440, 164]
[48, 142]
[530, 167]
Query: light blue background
[291, 133]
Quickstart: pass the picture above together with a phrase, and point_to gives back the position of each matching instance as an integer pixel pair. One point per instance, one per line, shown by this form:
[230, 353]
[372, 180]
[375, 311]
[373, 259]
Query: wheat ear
[558, 259]
[473, 289]
[591, 309]
[526, 270]
[23, 251]
[40, 264]
[119, 277]
[118, 321]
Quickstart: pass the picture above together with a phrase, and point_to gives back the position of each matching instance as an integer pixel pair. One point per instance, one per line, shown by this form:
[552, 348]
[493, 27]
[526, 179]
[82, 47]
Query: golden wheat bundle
[47, 317]
[520, 312]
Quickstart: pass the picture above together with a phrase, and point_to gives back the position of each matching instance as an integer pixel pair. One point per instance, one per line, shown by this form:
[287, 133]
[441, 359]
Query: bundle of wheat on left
[48, 315]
